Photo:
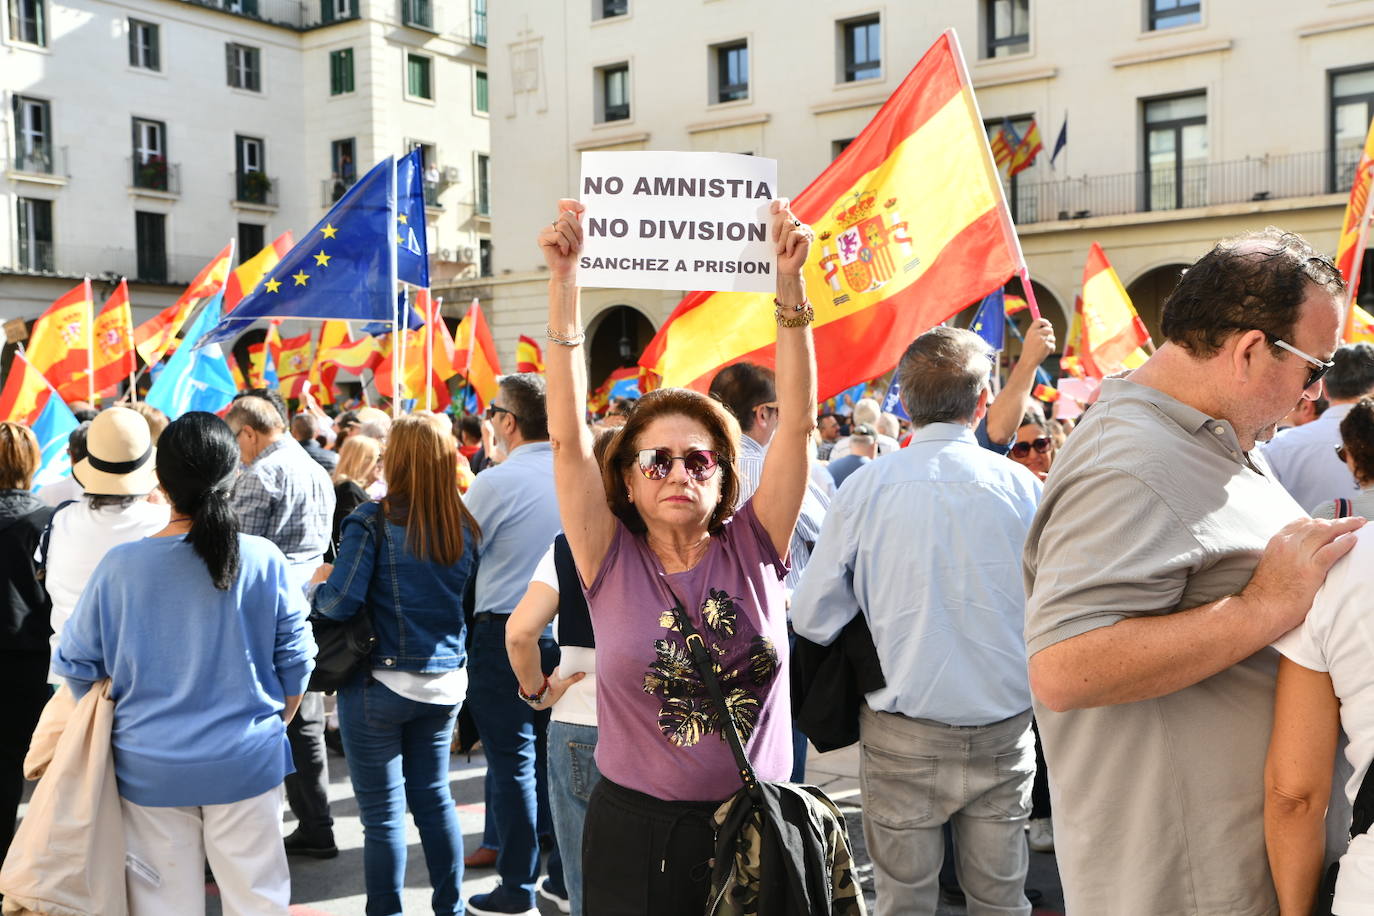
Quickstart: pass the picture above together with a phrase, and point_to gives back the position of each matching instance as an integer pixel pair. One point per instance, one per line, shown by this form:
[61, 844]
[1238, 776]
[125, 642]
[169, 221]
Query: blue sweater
[199, 675]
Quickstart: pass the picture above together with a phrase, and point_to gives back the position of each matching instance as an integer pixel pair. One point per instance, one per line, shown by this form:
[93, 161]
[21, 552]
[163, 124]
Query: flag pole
[133, 372]
[90, 342]
[395, 299]
[429, 353]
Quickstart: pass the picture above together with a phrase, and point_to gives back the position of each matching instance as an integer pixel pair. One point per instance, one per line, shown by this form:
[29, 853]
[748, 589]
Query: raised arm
[1004, 415]
[587, 520]
[782, 484]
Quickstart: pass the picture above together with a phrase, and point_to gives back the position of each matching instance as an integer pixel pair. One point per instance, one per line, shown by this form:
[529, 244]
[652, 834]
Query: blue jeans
[398, 754]
[572, 775]
[515, 740]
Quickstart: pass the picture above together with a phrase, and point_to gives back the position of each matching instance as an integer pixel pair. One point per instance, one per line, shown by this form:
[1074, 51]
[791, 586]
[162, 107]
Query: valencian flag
[1111, 334]
[114, 339]
[474, 355]
[342, 267]
[195, 377]
[1355, 226]
[1003, 143]
[1024, 155]
[25, 392]
[248, 274]
[528, 356]
[153, 337]
[911, 227]
[60, 346]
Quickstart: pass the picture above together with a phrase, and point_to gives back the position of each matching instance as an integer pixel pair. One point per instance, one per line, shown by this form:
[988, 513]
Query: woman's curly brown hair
[1357, 435]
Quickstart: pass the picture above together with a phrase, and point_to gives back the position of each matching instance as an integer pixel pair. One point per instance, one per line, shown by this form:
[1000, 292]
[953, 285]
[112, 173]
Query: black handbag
[343, 647]
[791, 840]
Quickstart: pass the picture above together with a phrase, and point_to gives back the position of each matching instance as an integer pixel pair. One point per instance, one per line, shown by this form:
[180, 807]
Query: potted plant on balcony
[152, 173]
[256, 186]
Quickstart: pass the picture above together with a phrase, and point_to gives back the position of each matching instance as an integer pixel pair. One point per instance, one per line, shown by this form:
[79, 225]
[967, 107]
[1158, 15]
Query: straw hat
[120, 455]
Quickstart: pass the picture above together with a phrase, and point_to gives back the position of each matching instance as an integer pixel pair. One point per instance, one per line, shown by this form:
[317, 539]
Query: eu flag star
[272, 285]
[328, 231]
[400, 239]
[401, 218]
[300, 277]
[322, 259]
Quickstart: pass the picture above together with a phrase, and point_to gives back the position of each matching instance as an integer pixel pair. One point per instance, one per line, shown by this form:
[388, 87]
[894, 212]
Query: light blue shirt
[1304, 459]
[809, 519]
[516, 506]
[927, 543]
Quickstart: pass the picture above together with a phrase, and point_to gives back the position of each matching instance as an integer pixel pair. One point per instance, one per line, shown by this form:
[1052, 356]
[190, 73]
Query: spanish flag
[25, 394]
[1361, 328]
[353, 355]
[1014, 304]
[293, 358]
[60, 346]
[1024, 155]
[114, 339]
[154, 336]
[1355, 226]
[911, 227]
[475, 355]
[429, 346]
[1112, 334]
[249, 274]
[332, 334]
[528, 356]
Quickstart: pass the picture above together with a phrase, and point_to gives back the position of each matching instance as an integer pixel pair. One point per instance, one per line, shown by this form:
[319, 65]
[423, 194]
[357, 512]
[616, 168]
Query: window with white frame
[144, 52]
[244, 64]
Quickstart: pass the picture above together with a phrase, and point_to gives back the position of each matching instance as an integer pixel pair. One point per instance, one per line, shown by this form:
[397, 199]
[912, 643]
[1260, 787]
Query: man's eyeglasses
[494, 409]
[1023, 449]
[657, 463]
[1319, 367]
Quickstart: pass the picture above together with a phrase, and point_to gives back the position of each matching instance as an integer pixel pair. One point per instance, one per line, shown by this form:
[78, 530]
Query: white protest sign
[677, 221]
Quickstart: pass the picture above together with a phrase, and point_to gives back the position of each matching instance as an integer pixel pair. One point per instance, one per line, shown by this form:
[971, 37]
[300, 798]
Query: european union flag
[196, 377]
[342, 268]
[892, 401]
[51, 427]
[990, 322]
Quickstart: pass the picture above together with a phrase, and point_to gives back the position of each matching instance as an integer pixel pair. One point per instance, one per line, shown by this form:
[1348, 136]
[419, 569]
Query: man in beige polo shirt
[1163, 561]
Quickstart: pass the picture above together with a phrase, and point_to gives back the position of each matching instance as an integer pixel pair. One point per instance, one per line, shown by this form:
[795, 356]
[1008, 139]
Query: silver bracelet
[562, 341]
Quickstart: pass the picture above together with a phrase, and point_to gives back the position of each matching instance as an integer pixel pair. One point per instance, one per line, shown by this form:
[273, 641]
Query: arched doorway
[618, 336]
[1148, 292]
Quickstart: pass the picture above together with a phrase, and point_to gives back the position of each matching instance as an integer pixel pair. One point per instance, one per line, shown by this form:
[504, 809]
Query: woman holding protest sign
[663, 553]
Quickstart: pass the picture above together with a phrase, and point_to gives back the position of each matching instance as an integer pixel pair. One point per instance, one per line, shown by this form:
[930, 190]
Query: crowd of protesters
[1116, 640]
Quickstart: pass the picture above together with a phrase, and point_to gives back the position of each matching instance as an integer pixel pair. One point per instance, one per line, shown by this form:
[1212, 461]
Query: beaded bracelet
[564, 341]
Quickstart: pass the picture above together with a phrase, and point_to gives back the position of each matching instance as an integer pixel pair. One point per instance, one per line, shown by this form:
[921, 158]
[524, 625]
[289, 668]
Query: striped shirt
[814, 504]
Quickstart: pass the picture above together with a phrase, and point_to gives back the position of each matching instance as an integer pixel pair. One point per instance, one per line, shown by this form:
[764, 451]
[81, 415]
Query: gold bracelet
[803, 316]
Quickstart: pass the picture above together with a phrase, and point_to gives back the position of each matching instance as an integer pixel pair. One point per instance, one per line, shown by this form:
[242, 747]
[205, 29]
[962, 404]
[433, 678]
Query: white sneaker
[1041, 835]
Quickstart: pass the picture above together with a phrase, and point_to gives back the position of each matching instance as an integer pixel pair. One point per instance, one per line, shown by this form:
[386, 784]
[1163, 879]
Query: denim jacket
[416, 605]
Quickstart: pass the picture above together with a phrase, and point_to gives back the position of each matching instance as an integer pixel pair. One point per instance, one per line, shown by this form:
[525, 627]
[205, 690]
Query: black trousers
[307, 789]
[24, 685]
[641, 854]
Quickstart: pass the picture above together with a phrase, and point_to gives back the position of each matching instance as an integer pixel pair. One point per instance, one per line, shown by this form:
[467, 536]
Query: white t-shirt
[444, 688]
[1338, 637]
[577, 706]
[81, 536]
[60, 491]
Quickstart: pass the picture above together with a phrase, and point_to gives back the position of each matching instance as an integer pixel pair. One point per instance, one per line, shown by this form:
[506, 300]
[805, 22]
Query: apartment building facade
[1187, 121]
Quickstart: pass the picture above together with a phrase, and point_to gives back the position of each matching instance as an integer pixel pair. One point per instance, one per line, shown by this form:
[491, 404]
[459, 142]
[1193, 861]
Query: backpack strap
[41, 570]
[1363, 816]
[1344, 508]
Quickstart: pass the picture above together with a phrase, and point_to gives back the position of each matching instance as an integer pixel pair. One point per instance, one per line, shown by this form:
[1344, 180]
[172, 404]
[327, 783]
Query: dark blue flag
[342, 268]
[412, 250]
[892, 401]
[414, 320]
[1062, 141]
[990, 321]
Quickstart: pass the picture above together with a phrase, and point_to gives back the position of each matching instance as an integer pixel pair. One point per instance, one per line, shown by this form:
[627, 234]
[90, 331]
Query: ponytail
[215, 536]
[197, 458]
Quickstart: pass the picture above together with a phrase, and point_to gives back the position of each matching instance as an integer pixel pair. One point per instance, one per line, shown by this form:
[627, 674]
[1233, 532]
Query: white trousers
[168, 847]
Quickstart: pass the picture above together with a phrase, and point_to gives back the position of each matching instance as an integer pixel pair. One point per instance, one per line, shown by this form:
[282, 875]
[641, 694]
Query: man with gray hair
[284, 496]
[1163, 562]
[926, 544]
[1304, 458]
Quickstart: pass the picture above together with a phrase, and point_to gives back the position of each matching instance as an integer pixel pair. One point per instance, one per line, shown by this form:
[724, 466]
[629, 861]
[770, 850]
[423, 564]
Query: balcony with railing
[40, 160]
[155, 173]
[331, 189]
[291, 14]
[1209, 184]
[48, 259]
[254, 188]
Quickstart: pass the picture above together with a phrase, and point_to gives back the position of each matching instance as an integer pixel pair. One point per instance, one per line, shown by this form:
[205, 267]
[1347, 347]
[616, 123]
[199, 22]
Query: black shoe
[298, 844]
[334, 741]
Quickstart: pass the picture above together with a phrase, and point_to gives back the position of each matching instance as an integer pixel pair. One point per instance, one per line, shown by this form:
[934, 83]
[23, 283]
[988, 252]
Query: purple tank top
[659, 731]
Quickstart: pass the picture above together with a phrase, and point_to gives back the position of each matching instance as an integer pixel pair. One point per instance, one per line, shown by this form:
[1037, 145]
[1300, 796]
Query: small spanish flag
[60, 346]
[1355, 227]
[1046, 393]
[1015, 304]
[114, 339]
[475, 355]
[528, 356]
